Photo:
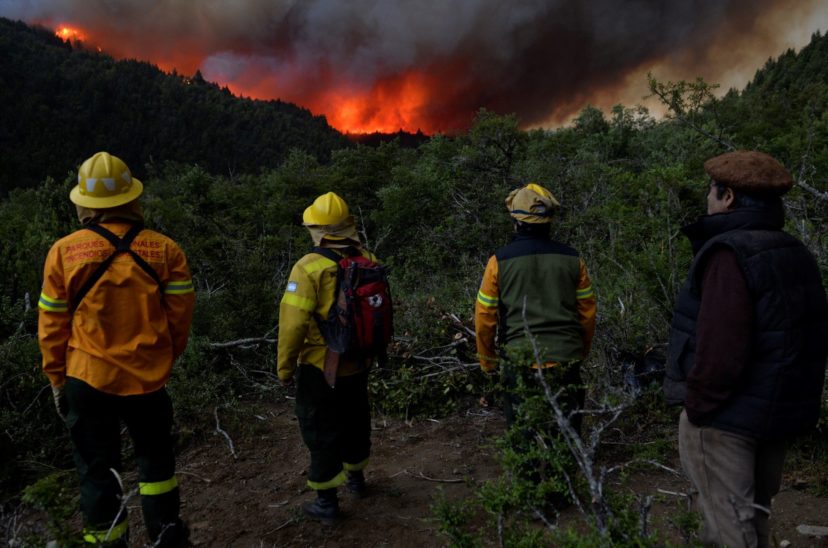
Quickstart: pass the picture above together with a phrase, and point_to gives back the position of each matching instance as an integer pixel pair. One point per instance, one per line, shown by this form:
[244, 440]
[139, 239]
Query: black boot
[325, 508]
[356, 483]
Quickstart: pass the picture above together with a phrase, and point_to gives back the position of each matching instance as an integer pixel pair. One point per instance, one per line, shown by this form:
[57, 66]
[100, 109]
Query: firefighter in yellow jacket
[115, 312]
[537, 283]
[335, 423]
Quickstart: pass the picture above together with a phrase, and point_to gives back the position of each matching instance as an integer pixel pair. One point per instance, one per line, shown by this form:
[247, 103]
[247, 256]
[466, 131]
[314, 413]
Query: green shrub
[56, 496]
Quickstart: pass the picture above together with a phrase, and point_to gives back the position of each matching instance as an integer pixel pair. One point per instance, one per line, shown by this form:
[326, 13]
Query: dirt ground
[252, 499]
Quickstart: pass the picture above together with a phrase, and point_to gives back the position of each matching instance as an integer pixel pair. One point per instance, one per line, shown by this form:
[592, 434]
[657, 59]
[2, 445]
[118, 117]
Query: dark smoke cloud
[541, 59]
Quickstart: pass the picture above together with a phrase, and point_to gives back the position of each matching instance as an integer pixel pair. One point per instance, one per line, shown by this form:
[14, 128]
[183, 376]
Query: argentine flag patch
[291, 287]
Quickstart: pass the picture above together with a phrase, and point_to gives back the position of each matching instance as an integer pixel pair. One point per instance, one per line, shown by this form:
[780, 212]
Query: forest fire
[391, 104]
[69, 34]
[403, 102]
[386, 66]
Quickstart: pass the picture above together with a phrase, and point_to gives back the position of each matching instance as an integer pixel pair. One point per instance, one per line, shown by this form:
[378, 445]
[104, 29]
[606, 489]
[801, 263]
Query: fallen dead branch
[633, 462]
[437, 480]
[672, 493]
[125, 498]
[282, 526]
[461, 326]
[225, 434]
[243, 342]
[202, 478]
[35, 398]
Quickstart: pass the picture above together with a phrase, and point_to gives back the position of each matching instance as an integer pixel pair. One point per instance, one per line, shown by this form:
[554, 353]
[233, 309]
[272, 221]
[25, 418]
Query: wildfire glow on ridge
[68, 33]
[391, 65]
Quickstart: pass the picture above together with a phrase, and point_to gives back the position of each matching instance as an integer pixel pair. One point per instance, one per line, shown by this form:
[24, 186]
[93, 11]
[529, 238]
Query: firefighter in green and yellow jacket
[335, 423]
[543, 285]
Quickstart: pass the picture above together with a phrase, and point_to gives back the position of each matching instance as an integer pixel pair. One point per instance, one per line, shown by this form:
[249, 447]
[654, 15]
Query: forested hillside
[784, 110]
[626, 182]
[58, 101]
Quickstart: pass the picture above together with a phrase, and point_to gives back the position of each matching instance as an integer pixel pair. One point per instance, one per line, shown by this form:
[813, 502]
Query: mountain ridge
[51, 89]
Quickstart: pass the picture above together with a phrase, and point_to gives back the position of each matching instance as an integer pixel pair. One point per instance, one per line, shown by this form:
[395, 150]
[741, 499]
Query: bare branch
[673, 493]
[651, 462]
[225, 434]
[282, 526]
[541, 516]
[243, 342]
[500, 529]
[461, 367]
[362, 230]
[202, 478]
[437, 480]
[27, 305]
[125, 498]
[35, 398]
[599, 506]
[643, 511]
[459, 324]
[816, 193]
[685, 100]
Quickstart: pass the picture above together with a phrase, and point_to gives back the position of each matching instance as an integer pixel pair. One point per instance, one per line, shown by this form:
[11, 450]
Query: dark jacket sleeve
[723, 337]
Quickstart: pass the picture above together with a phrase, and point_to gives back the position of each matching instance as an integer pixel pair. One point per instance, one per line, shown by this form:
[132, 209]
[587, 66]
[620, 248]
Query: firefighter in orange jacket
[115, 312]
[540, 284]
[335, 423]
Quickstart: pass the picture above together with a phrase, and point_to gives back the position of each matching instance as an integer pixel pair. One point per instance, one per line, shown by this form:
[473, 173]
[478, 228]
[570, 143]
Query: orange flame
[410, 101]
[390, 105]
[406, 101]
[68, 33]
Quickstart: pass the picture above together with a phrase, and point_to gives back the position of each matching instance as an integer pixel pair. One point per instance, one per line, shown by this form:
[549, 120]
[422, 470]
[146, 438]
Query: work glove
[62, 406]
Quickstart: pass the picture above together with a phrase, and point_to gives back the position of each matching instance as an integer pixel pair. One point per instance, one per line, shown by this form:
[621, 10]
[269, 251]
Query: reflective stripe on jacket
[309, 292]
[123, 337]
[561, 304]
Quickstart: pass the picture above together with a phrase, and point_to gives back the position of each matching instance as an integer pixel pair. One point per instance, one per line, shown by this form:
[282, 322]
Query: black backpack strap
[338, 255]
[121, 245]
[328, 254]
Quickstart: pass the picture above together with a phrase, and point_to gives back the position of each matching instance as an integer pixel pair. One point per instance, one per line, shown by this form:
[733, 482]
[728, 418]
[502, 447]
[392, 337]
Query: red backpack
[361, 320]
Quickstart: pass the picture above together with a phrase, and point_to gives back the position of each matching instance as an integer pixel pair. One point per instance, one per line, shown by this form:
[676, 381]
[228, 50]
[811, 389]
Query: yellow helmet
[532, 204]
[327, 209]
[104, 181]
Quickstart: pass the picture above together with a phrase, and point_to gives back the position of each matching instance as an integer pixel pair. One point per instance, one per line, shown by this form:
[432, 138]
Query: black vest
[780, 392]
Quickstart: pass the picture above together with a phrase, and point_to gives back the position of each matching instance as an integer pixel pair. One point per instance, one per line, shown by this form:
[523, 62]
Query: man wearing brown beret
[747, 348]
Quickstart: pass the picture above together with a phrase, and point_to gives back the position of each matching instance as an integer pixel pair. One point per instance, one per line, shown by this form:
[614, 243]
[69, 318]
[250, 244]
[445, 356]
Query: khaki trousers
[735, 478]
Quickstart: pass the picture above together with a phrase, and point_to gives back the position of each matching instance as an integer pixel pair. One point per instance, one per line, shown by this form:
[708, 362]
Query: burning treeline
[385, 65]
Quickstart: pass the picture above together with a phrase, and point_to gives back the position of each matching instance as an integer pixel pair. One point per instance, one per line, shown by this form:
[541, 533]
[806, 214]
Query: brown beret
[749, 171]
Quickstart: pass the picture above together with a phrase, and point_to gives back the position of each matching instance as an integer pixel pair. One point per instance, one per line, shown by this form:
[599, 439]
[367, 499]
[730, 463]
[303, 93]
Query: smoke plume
[430, 64]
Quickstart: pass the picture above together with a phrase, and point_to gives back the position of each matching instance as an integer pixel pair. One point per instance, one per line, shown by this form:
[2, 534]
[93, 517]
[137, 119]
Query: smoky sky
[539, 59]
